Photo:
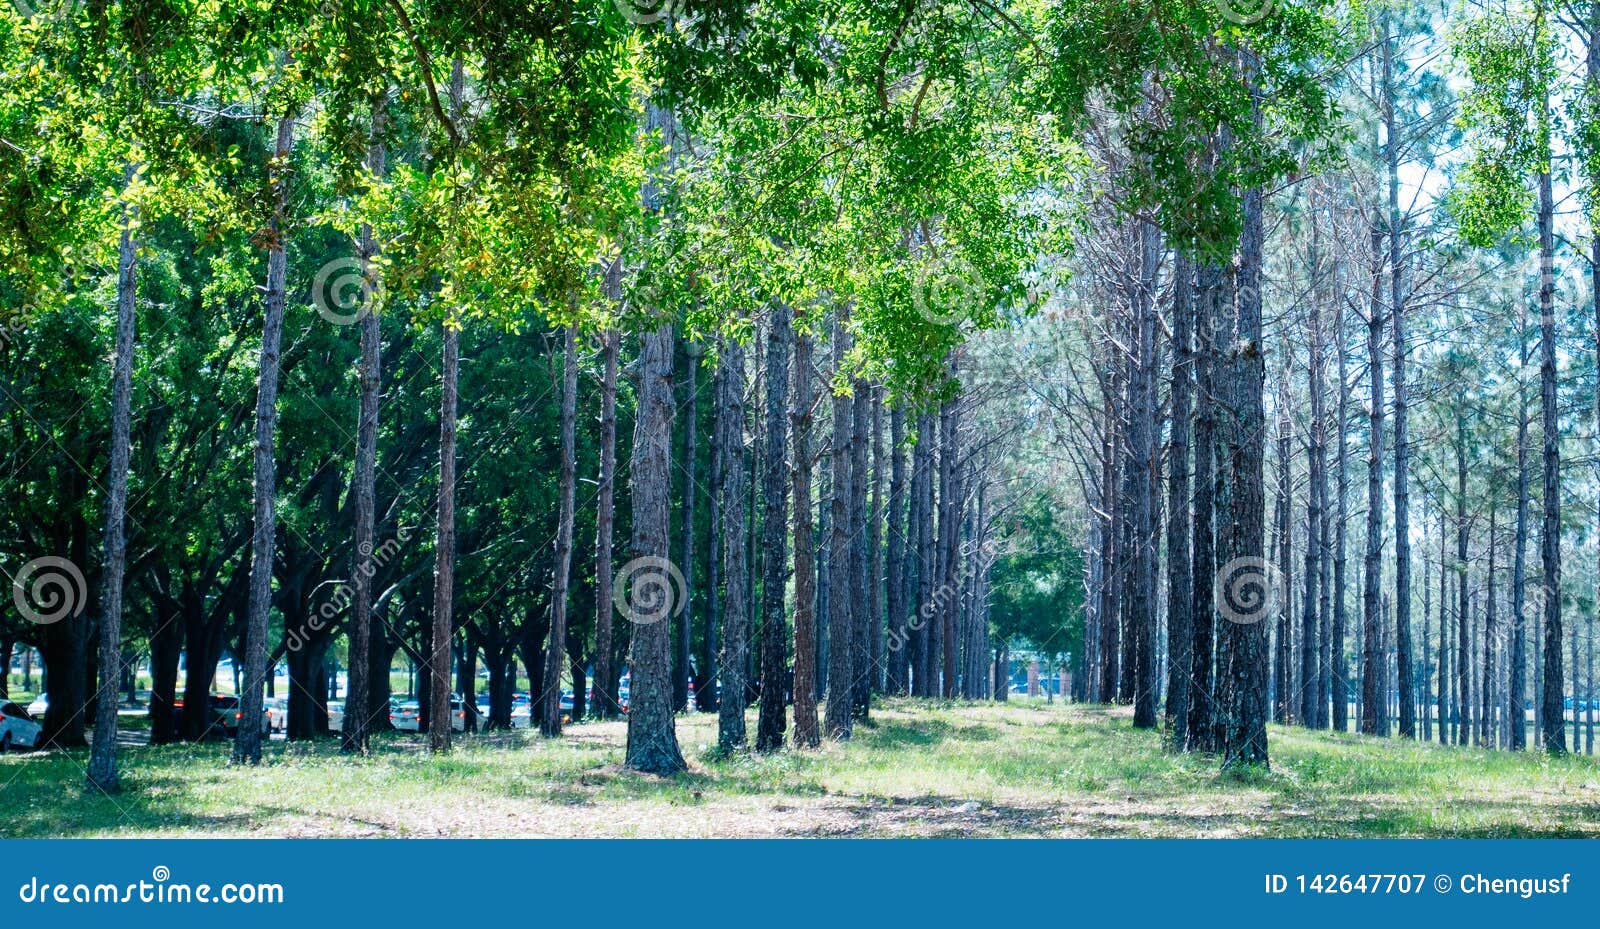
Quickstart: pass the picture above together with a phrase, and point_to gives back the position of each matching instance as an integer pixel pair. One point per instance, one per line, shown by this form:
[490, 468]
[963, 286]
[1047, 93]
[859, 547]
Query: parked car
[407, 717]
[17, 728]
[39, 706]
[277, 714]
[222, 716]
[335, 715]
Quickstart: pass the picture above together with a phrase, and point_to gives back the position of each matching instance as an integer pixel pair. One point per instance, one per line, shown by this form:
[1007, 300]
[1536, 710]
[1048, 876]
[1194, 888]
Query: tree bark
[806, 733]
[652, 736]
[103, 754]
[605, 685]
[691, 489]
[358, 718]
[923, 611]
[247, 745]
[1180, 583]
[735, 569]
[1146, 481]
[444, 545]
[556, 654]
[1207, 472]
[1243, 647]
[774, 542]
[876, 556]
[1486, 696]
[1397, 311]
[1555, 734]
[1463, 688]
[841, 654]
[1374, 721]
[862, 614]
[1313, 704]
[898, 675]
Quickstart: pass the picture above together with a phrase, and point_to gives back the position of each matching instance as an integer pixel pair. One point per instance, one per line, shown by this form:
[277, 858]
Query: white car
[335, 715]
[521, 713]
[407, 716]
[39, 706]
[17, 728]
[278, 714]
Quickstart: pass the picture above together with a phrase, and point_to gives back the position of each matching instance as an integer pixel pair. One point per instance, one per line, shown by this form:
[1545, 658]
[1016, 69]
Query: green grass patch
[950, 769]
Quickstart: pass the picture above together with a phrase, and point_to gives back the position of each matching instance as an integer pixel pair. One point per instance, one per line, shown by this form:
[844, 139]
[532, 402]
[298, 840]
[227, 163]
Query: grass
[957, 770]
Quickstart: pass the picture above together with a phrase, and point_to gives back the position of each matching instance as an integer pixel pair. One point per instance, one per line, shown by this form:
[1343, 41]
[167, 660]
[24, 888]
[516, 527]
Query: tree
[550, 724]
[774, 524]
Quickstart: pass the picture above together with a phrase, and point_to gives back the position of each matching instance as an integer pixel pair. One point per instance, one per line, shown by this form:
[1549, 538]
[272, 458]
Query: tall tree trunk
[652, 737]
[876, 558]
[1180, 591]
[444, 570]
[1426, 667]
[605, 686]
[691, 489]
[247, 745]
[861, 598]
[1593, 91]
[774, 527]
[1374, 719]
[1285, 705]
[1207, 471]
[1463, 688]
[806, 734]
[735, 569]
[949, 539]
[898, 667]
[923, 612]
[1486, 695]
[445, 544]
[1516, 697]
[707, 688]
[1340, 670]
[841, 664]
[1397, 311]
[355, 734]
[1147, 481]
[556, 654]
[1243, 646]
[103, 756]
[1555, 736]
[1313, 703]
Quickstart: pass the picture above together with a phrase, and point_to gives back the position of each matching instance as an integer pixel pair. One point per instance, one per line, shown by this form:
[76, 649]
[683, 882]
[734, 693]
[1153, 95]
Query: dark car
[222, 717]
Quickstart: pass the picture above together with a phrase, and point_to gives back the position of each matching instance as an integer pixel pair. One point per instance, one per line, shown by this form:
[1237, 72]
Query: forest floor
[1023, 768]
